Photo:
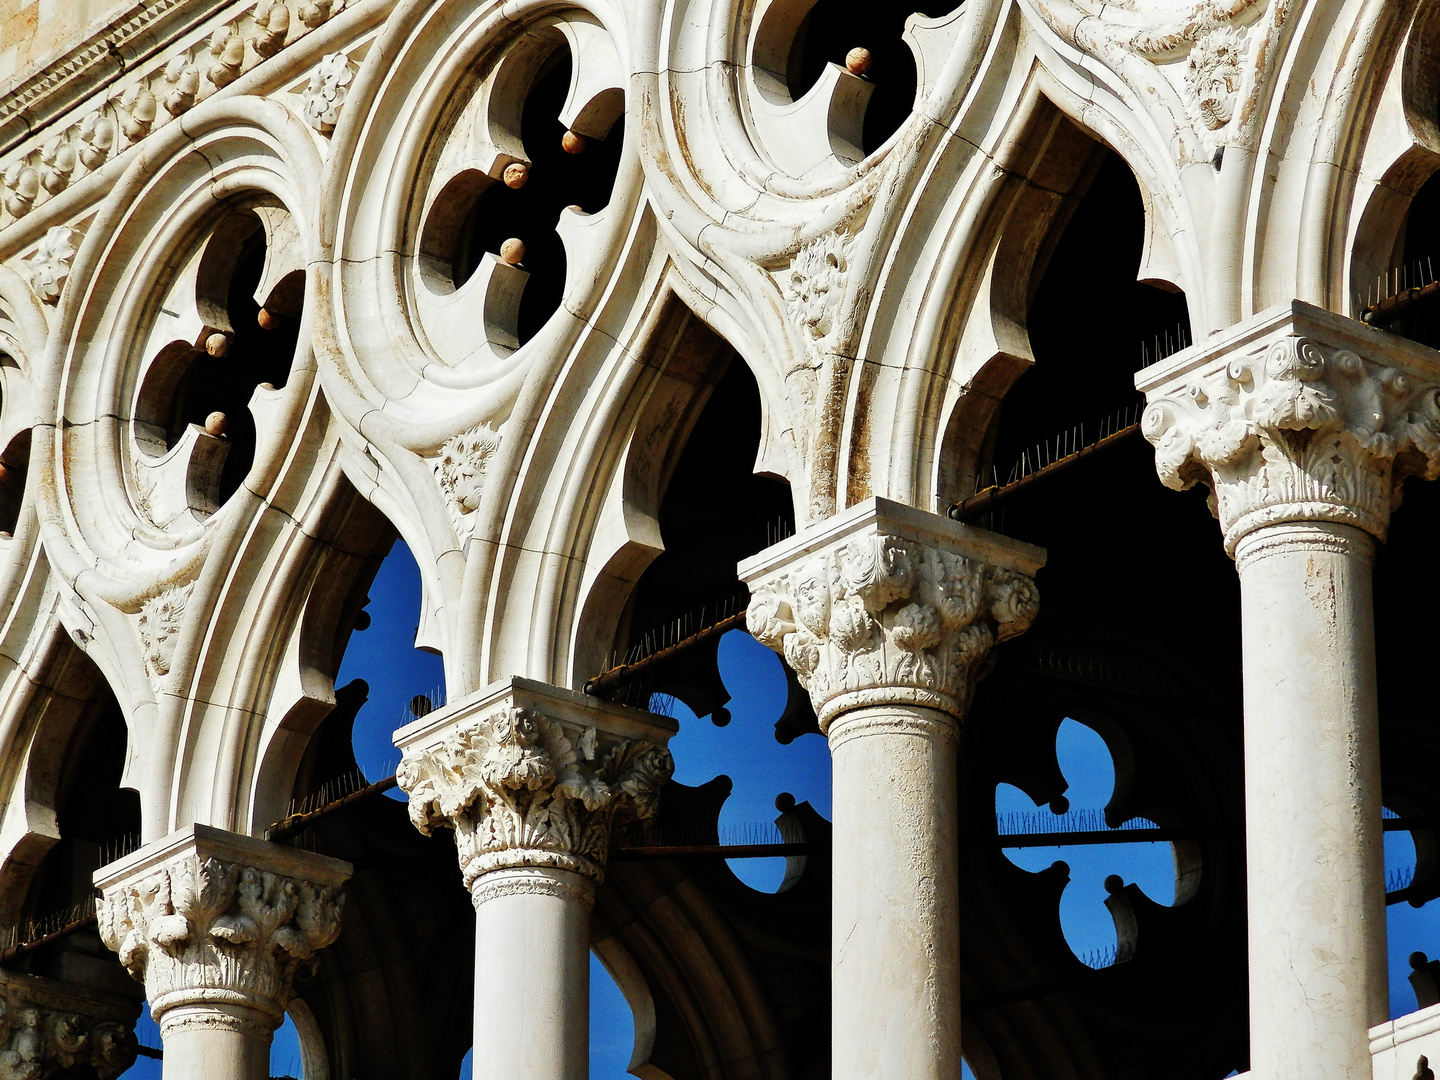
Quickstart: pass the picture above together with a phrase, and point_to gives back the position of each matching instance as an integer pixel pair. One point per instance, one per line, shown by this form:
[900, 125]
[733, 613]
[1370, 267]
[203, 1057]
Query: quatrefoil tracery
[219, 351]
[560, 79]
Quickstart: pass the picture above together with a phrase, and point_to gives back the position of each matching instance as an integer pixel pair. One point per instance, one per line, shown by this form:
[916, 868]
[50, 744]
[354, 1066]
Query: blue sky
[760, 769]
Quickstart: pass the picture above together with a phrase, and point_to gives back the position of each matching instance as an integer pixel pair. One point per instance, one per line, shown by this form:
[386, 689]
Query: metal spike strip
[685, 632]
[1400, 292]
[1123, 424]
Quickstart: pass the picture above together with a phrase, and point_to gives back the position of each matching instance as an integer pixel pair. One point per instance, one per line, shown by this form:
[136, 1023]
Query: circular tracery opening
[557, 179]
[832, 28]
[507, 213]
[234, 313]
[14, 464]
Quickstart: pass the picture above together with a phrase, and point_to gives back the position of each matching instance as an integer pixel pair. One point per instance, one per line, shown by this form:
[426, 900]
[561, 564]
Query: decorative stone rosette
[880, 619]
[1297, 429]
[524, 789]
[201, 929]
[49, 1028]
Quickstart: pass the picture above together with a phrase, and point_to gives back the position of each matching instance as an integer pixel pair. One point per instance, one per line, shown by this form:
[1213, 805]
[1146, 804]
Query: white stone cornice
[887, 604]
[529, 775]
[143, 30]
[1297, 414]
[49, 1028]
[209, 918]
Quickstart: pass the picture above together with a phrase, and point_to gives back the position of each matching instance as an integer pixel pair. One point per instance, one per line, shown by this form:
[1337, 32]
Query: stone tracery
[525, 473]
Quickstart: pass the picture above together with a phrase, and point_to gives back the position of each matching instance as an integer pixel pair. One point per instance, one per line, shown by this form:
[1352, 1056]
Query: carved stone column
[887, 615]
[215, 925]
[1304, 424]
[49, 1027]
[534, 780]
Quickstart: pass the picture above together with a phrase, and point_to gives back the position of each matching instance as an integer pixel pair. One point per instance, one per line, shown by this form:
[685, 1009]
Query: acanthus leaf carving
[326, 91]
[1296, 431]
[271, 24]
[48, 265]
[881, 618]
[524, 789]
[199, 923]
[1225, 48]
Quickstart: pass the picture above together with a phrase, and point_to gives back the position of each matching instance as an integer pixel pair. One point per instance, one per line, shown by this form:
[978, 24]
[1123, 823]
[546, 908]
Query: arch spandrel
[155, 598]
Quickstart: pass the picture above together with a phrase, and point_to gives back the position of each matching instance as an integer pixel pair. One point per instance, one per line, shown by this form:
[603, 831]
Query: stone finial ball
[217, 423]
[420, 705]
[217, 345]
[266, 319]
[857, 61]
[515, 175]
[512, 251]
[573, 143]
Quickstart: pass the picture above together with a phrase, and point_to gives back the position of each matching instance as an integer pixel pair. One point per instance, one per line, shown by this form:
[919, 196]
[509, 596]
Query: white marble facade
[877, 295]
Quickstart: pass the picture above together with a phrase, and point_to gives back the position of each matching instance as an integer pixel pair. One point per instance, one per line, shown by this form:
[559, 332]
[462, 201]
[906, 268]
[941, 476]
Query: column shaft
[895, 956]
[1312, 787]
[215, 1042]
[532, 975]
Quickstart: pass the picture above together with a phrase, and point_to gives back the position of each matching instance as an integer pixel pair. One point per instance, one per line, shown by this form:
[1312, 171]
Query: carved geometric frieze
[887, 604]
[49, 1027]
[529, 775]
[1296, 415]
[206, 915]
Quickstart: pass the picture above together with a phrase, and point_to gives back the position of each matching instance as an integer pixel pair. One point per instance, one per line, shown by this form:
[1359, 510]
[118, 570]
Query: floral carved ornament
[1301, 431]
[881, 619]
[521, 788]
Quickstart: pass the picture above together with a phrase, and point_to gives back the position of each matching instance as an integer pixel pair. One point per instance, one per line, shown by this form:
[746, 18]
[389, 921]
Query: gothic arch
[140, 586]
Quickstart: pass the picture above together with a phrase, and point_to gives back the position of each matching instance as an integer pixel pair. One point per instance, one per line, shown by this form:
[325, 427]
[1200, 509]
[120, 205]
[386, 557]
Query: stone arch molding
[835, 276]
[141, 552]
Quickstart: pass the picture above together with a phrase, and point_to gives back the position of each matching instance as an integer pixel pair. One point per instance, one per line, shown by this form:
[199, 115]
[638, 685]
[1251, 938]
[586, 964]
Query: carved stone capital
[885, 604]
[529, 775]
[1296, 415]
[48, 1028]
[216, 924]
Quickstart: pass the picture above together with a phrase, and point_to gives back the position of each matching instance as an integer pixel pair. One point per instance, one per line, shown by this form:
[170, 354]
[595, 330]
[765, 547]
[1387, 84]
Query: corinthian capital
[529, 775]
[1296, 415]
[206, 917]
[49, 1028]
[886, 604]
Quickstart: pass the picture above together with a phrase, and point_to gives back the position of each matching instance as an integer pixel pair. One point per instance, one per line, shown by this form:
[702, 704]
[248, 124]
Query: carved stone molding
[461, 472]
[131, 79]
[815, 283]
[886, 604]
[325, 94]
[49, 1027]
[161, 619]
[49, 264]
[205, 917]
[1296, 415]
[530, 775]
